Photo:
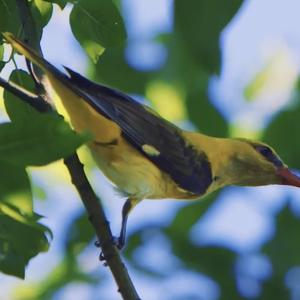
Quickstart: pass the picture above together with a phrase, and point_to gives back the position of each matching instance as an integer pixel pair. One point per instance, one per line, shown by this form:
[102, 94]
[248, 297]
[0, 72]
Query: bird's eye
[269, 155]
[265, 151]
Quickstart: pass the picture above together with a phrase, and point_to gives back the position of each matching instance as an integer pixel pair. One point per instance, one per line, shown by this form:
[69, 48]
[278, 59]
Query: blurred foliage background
[239, 243]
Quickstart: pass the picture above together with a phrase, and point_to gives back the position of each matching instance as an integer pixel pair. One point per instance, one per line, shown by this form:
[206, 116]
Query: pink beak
[287, 177]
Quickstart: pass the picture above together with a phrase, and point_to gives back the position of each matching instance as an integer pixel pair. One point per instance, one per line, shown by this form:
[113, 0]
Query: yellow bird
[146, 156]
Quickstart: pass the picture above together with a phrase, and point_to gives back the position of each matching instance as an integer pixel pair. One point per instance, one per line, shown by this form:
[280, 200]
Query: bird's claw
[102, 258]
[118, 242]
[97, 244]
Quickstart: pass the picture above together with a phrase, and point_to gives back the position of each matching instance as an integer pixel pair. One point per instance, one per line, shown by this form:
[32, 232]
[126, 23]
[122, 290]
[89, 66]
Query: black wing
[186, 166]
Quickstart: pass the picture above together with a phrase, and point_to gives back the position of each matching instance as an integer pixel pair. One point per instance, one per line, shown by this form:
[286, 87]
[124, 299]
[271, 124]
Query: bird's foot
[118, 242]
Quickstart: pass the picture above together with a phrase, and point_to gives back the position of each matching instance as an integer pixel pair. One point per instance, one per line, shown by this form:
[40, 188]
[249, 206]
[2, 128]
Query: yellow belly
[134, 174]
[129, 170]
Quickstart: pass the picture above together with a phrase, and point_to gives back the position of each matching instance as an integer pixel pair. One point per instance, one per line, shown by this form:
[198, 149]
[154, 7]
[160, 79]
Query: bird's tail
[30, 54]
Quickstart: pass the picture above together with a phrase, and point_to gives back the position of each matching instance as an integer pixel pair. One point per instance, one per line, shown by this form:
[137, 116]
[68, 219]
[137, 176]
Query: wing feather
[188, 167]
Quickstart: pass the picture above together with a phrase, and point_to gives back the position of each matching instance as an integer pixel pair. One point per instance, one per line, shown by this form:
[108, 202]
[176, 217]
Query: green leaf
[1, 52]
[190, 214]
[2, 63]
[20, 240]
[285, 144]
[183, 69]
[42, 12]
[126, 79]
[283, 251]
[284, 248]
[274, 289]
[199, 23]
[79, 234]
[97, 25]
[15, 187]
[17, 110]
[43, 140]
[133, 242]
[60, 3]
[200, 109]
[9, 17]
[215, 262]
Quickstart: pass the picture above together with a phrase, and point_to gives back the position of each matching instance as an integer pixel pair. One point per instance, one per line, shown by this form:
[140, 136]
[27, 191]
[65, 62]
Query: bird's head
[253, 163]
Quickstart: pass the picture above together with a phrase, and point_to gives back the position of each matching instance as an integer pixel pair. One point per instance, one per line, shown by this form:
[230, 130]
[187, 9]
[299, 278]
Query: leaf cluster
[33, 139]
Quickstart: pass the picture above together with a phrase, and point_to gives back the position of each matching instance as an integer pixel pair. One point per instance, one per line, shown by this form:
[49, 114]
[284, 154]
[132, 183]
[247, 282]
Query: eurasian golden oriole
[146, 156]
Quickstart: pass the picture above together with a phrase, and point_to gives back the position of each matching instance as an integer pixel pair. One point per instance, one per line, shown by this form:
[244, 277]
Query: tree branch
[32, 99]
[90, 200]
[101, 226]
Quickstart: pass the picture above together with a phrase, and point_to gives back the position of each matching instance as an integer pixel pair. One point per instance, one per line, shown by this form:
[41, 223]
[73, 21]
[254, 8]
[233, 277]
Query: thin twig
[32, 99]
[101, 226]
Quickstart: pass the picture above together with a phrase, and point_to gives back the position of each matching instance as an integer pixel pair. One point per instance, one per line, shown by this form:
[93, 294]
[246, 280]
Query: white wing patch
[150, 150]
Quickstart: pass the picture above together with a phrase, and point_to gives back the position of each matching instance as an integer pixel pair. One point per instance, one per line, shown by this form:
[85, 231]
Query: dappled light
[167, 100]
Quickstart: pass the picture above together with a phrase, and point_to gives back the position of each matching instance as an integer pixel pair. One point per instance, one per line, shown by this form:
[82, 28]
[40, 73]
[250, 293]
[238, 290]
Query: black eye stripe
[265, 151]
[269, 155]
